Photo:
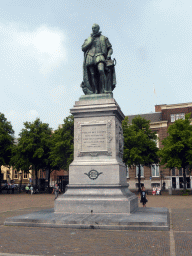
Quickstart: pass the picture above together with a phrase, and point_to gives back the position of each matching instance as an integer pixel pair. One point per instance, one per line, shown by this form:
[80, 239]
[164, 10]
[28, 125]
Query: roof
[152, 117]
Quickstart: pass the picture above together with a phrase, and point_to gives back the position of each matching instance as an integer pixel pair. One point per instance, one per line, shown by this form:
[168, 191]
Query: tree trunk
[184, 178]
[49, 170]
[0, 180]
[139, 179]
[36, 178]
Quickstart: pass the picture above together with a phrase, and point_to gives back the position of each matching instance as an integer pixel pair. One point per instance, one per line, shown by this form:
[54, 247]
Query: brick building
[164, 116]
[10, 175]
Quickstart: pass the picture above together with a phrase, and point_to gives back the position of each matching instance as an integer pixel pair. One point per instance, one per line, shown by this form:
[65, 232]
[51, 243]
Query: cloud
[32, 114]
[58, 93]
[19, 117]
[28, 116]
[43, 47]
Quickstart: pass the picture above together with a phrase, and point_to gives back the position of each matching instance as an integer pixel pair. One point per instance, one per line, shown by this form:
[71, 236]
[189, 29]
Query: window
[15, 175]
[127, 171]
[173, 171]
[175, 117]
[25, 175]
[155, 170]
[180, 116]
[137, 185]
[187, 171]
[172, 118]
[142, 171]
[180, 172]
[8, 174]
[157, 140]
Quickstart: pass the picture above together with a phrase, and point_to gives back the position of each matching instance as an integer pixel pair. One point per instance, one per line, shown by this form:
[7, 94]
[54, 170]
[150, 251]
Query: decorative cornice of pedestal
[102, 104]
[96, 97]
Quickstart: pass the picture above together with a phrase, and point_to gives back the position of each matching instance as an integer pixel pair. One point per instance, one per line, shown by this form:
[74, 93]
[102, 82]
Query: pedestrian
[158, 191]
[12, 187]
[27, 189]
[8, 188]
[56, 190]
[143, 197]
[31, 188]
[154, 191]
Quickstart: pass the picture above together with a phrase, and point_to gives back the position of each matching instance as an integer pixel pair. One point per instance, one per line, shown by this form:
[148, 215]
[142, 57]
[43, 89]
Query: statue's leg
[92, 72]
[102, 76]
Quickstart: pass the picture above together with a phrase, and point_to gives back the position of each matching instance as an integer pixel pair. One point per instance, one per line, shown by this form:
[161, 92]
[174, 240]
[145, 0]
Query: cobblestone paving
[183, 243]
[182, 220]
[59, 241]
[21, 201]
[50, 241]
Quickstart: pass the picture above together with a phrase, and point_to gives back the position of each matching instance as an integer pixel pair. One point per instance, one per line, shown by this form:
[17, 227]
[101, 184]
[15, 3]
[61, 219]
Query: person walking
[56, 190]
[31, 188]
[143, 197]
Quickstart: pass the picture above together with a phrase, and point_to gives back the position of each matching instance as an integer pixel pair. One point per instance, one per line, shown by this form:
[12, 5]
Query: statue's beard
[96, 34]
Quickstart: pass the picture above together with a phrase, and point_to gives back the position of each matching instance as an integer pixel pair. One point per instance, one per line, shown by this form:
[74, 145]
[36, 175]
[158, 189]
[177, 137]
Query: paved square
[62, 241]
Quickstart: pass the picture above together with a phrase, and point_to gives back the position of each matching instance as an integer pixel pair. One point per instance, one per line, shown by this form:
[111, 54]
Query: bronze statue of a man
[98, 68]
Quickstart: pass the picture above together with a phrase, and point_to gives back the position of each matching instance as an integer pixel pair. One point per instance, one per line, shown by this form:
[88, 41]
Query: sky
[41, 57]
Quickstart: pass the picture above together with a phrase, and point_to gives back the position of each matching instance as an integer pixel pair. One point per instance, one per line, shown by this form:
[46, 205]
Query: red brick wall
[162, 132]
[166, 113]
[132, 173]
[162, 135]
[56, 173]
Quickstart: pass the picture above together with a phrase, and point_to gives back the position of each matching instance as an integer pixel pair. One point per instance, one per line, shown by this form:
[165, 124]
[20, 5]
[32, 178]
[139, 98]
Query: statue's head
[95, 28]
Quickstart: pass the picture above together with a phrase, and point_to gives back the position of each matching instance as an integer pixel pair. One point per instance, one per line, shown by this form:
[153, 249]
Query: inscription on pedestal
[94, 138]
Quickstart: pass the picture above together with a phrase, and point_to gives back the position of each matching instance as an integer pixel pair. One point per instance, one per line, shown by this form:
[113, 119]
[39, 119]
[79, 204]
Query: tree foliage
[177, 150]
[39, 148]
[6, 142]
[33, 147]
[62, 140]
[139, 144]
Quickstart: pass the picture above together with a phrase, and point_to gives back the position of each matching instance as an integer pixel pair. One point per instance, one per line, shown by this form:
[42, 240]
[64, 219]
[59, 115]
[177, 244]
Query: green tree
[33, 147]
[6, 143]
[61, 154]
[19, 162]
[139, 144]
[177, 150]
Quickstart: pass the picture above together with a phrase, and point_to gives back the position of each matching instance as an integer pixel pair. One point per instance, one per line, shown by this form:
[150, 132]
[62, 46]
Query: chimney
[157, 108]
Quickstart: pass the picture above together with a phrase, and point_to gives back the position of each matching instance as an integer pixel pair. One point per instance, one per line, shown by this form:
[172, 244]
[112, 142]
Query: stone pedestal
[97, 176]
